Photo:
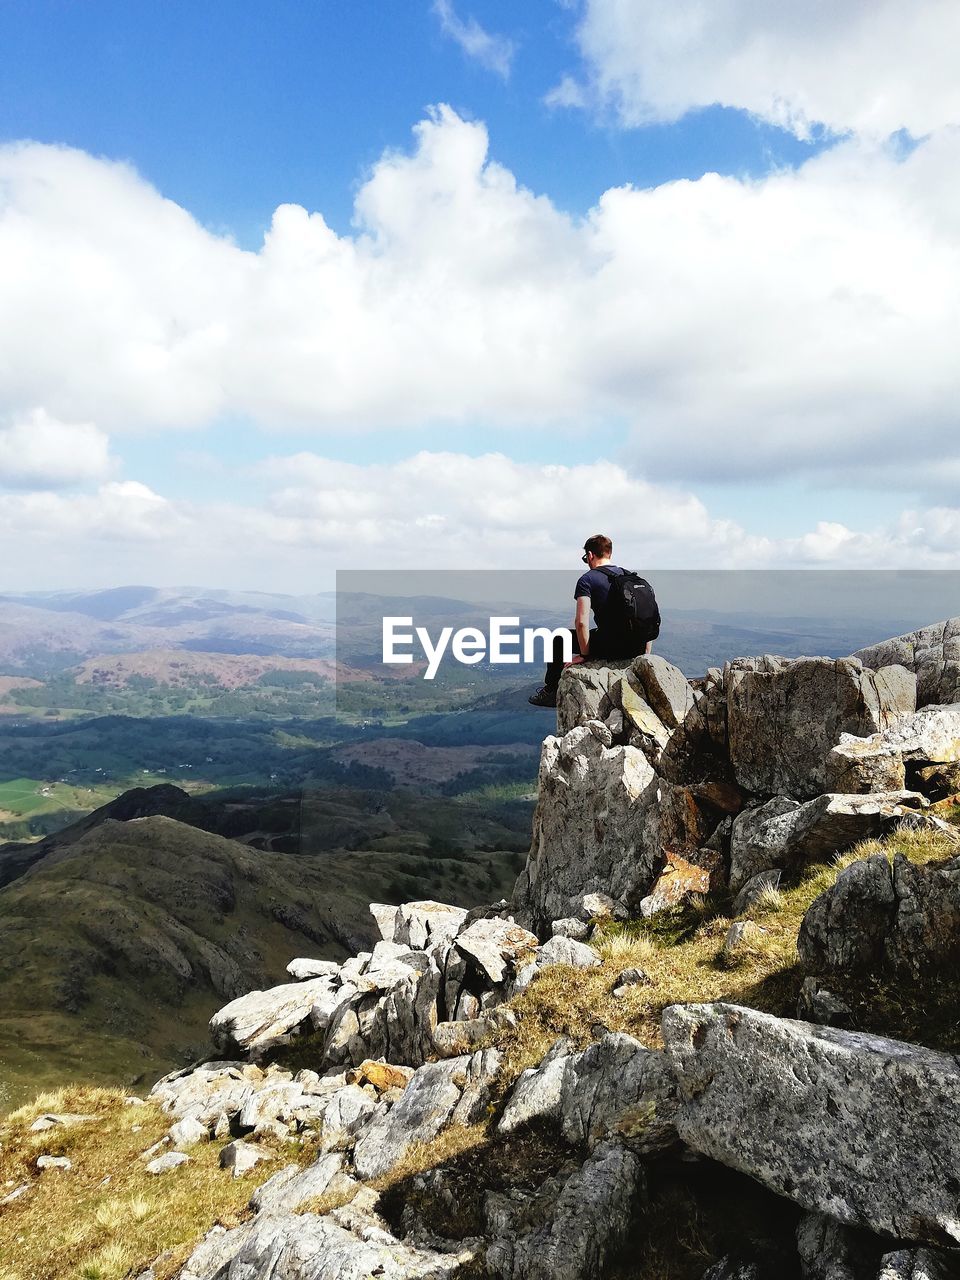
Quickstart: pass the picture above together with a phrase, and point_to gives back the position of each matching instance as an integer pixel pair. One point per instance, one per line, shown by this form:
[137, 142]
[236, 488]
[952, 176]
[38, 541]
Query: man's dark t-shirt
[596, 585]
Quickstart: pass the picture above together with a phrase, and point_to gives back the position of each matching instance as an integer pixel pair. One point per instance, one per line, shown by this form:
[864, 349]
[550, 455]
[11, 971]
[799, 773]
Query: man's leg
[551, 678]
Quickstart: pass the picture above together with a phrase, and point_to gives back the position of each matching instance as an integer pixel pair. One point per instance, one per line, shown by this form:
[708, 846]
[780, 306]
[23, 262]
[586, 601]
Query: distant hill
[118, 940]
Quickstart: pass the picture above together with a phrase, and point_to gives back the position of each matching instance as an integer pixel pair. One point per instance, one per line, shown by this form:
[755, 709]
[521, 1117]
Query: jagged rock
[440, 1093]
[567, 951]
[205, 1093]
[754, 889]
[260, 1019]
[816, 1004]
[301, 969]
[860, 765]
[830, 1251]
[919, 1264]
[588, 1223]
[595, 828]
[627, 979]
[571, 927]
[62, 1120]
[343, 1245]
[832, 1119]
[665, 687]
[385, 918]
[273, 1101]
[292, 1187]
[584, 693]
[187, 1133]
[423, 924]
[496, 946]
[168, 1161]
[783, 833]
[878, 762]
[54, 1162]
[241, 1157]
[14, 1195]
[932, 653]
[678, 879]
[902, 918]
[782, 723]
[618, 1088]
[536, 1094]
[645, 728]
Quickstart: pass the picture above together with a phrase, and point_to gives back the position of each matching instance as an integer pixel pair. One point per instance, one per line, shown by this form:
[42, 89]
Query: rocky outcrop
[783, 832]
[781, 723]
[853, 1126]
[931, 653]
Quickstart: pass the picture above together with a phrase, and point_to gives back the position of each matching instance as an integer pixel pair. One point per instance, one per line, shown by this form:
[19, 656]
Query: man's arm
[581, 624]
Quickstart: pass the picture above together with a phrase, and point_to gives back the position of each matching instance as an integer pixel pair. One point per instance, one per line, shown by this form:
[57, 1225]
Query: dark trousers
[552, 677]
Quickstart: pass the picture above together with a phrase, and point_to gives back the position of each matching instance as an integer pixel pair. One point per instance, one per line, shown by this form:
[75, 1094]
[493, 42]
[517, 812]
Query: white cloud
[872, 68]
[803, 322]
[437, 510]
[494, 52]
[37, 451]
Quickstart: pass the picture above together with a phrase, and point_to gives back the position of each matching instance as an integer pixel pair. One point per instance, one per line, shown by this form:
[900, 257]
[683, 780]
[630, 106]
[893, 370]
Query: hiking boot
[544, 697]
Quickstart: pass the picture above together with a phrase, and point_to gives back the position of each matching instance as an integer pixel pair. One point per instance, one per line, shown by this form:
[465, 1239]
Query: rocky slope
[497, 1093]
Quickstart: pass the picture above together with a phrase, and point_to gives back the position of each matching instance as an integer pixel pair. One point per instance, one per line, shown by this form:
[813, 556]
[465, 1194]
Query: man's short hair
[599, 545]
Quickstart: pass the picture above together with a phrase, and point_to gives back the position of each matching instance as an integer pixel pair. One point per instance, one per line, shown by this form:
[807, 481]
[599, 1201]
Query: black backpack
[631, 610]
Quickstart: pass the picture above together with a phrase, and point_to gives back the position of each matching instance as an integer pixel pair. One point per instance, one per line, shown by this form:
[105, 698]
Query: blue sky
[691, 276]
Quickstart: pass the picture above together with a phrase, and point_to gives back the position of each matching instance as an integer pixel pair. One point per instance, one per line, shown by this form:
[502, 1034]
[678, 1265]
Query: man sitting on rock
[614, 636]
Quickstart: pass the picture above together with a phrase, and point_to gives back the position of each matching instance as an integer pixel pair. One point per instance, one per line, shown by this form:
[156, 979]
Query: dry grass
[107, 1217]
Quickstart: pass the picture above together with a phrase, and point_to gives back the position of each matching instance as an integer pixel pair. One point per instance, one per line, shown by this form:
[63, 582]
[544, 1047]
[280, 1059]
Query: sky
[293, 287]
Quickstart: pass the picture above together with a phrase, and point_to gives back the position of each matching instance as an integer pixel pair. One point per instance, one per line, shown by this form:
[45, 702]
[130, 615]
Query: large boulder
[782, 722]
[594, 830]
[260, 1019]
[665, 687]
[933, 655]
[898, 918]
[784, 833]
[860, 1128]
[584, 692]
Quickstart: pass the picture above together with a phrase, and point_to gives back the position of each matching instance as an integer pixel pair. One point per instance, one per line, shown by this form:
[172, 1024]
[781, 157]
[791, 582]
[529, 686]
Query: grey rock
[932, 653]
[782, 723]
[784, 834]
[275, 1100]
[496, 946]
[301, 969]
[168, 1161]
[571, 927]
[584, 693]
[817, 1004]
[598, 906]
[731, 1268]
[595, 828]
[919, 1264]
[588, 1222]
[754, 889]
[346, 1114]
[738, 937]
[617, 1088]
[536, 1094]
[187, 1133]
[385, 919]
[627, 979]
[438, 1094]
[831, 1119]
[453, 1039]
[665, 687]
[240, 1157]
[423, 924]
[293, 1186]
[54, 1162]
[901, 918]
[59, 1120]
[15, 1194]
[567, 951]
[261, 1018]
[830, 1251]
[877, 762]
